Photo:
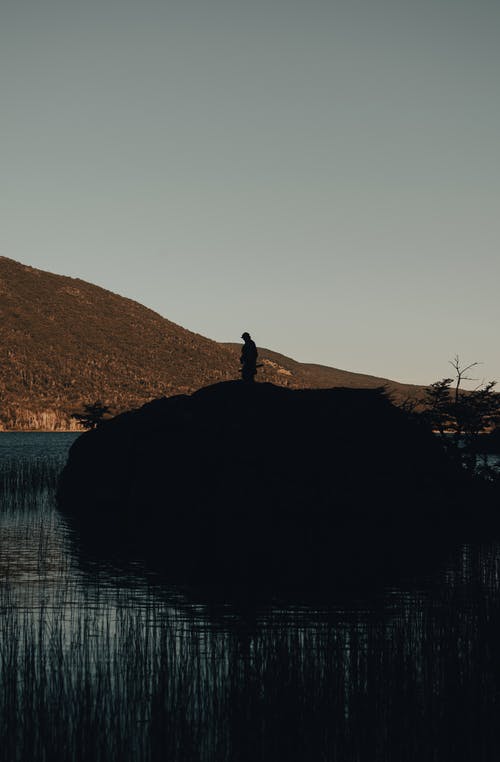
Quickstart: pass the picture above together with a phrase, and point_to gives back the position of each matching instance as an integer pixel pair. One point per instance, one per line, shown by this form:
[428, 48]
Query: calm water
[99, 661]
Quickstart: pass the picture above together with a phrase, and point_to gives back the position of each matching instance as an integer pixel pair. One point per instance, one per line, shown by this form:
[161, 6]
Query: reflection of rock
[258, 472]
[489, 443]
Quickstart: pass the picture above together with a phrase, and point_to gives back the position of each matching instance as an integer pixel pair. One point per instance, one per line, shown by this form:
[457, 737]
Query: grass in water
[95, 669]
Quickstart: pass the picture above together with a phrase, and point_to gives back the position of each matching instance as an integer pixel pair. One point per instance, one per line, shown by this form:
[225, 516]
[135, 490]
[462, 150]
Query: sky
[322, 174]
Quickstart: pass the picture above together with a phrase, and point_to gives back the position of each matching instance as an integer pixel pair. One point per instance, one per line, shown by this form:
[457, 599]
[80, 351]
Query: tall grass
[107, 674]
[26, 483]
[95, 668]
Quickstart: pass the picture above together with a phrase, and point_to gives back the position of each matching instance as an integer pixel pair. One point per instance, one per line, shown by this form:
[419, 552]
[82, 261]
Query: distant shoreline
[42, 431]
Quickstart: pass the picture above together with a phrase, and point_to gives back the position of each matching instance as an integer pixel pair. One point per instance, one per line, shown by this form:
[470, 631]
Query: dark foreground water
[104, 662]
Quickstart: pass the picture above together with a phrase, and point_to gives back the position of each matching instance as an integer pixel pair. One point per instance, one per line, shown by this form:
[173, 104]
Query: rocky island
[239, 477]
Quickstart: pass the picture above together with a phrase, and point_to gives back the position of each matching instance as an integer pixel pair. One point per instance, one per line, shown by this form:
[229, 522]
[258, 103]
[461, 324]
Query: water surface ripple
[106, 661]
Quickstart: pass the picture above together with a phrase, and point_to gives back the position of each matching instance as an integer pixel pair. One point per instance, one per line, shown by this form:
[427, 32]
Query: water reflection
[103, 661]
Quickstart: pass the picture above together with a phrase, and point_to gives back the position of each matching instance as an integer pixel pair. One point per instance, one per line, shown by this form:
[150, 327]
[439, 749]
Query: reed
[93, 669]
[25, 483]
[111, 678]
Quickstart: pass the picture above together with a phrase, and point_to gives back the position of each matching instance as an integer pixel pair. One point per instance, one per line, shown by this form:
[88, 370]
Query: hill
[65, 342]
[301, 375]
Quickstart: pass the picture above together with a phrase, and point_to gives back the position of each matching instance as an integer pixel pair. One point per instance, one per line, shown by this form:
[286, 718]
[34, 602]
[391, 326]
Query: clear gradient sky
[325, 175]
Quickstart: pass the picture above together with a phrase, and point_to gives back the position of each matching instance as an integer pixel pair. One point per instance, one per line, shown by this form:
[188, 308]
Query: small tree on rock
[460, 416]
[92, 415]
[437, 403]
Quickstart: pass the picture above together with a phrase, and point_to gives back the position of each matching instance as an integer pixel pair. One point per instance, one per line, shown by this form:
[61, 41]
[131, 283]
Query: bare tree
[460, 374]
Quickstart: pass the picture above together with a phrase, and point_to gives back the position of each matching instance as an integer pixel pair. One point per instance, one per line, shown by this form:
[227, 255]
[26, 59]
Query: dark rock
[241, 477]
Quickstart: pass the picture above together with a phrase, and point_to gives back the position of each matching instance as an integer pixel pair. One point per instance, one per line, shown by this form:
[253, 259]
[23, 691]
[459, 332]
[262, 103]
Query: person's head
[245, 336]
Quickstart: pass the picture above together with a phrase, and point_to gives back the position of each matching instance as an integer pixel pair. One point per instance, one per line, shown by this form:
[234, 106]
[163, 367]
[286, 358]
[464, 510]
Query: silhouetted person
[248, 358]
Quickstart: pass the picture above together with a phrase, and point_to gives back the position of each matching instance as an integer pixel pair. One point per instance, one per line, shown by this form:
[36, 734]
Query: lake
[102, 659]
